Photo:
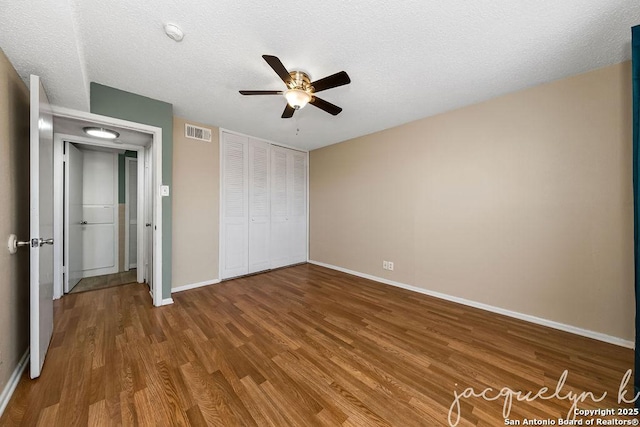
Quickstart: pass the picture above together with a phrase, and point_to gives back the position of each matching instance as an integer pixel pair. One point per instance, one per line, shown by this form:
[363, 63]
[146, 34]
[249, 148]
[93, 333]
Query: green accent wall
[117, 103]
[121, 189]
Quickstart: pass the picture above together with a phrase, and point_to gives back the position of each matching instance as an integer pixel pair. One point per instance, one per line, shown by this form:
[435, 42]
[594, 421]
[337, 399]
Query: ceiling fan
[300, 89]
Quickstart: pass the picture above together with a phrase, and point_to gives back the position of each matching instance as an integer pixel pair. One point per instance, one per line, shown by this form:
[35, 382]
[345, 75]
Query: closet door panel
[259, 206]
[235, 188]
[298, 207]
[280, 231]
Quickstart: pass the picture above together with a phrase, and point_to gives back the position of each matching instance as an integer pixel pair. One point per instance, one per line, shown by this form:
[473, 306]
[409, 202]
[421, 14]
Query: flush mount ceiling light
[173, 32]
[297, 98]
[101, 132]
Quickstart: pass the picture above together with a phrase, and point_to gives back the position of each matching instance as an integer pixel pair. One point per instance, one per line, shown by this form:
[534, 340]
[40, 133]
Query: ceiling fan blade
[334, 80]
[288, 112]
[277, 66]
[324, 105]
[261, 92]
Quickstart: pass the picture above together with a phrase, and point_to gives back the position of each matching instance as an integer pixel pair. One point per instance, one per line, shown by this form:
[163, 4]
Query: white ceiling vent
[196, 132]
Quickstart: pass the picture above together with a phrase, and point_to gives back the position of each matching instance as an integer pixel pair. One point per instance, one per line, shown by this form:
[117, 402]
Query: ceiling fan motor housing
[300, 89]
[300, 80]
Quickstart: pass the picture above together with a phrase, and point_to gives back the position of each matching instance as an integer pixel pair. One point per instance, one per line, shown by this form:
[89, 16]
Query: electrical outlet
[385, 265]
[390, 265]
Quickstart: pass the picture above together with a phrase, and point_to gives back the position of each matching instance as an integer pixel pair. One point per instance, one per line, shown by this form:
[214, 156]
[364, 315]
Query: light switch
[164, 190]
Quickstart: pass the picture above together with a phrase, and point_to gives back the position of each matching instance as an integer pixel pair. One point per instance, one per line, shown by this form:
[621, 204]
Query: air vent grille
[197, 132]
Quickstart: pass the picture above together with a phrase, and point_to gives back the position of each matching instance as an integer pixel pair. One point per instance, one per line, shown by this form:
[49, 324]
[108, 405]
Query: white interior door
[73, 209]
[41, 225]
[259, 206]
[100, 213]
[235, 230]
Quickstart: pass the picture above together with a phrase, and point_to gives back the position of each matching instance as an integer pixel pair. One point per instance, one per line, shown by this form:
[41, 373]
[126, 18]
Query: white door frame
[127, 207]
[59, 141]
[155, 198]
[147, 270]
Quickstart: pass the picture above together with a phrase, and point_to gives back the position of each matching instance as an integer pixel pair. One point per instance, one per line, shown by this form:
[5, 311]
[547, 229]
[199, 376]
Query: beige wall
[523, 202]
[14, 218]
[196, 188]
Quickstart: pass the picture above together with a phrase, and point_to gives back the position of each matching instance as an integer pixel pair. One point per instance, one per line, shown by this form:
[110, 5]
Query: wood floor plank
[99, 415]
[270, 413]
[146, 412]
[299, 346]
[48, 416]
[195, 417]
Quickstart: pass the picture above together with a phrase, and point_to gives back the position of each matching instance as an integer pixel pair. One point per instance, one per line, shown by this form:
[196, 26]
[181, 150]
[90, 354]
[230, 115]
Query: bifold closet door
[259, 206]
[280, 233]
[264, 206]
[288, 207]
[298, 207]
[235, 199]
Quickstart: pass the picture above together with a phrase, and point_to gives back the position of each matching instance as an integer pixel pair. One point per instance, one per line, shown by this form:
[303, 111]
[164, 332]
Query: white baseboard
[13, 382]
[526, 317]
[195, 285]
[167, 301]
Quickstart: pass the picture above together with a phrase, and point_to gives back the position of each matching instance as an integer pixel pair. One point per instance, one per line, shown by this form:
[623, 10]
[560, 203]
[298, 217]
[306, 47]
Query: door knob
[42, 242]
[83, 222]
[148, 224]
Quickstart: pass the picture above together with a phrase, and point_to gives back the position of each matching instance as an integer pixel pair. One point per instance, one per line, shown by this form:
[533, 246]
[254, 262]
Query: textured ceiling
[406, 60]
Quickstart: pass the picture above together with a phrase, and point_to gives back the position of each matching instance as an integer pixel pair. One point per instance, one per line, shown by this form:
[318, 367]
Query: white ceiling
[406, 60]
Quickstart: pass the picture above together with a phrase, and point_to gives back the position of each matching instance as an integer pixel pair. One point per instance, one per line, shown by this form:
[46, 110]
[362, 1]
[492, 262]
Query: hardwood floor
[105, 281]
[300, 346]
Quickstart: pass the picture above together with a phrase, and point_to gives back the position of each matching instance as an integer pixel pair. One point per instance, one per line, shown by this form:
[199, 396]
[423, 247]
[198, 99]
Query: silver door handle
[83, 222]
[42, 242]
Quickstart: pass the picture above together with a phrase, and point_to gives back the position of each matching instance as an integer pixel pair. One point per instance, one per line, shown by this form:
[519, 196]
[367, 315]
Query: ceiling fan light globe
[297, 98]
